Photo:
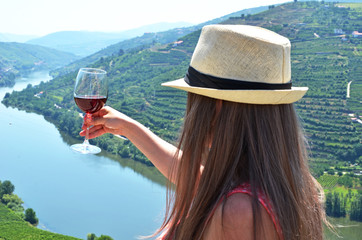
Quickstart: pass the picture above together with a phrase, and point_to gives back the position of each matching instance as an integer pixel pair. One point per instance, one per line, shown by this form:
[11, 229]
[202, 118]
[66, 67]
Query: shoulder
[237, 211]
[235, 220]
[232, 219]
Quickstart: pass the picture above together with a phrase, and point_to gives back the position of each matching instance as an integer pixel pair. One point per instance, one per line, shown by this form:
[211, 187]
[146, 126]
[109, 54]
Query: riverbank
[75, 194]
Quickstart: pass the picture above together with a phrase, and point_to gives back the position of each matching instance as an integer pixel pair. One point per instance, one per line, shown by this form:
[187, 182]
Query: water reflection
[345, 228]
[150, 173]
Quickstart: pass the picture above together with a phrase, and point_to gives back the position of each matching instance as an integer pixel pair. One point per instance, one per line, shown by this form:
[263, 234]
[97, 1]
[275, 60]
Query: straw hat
[241, 63]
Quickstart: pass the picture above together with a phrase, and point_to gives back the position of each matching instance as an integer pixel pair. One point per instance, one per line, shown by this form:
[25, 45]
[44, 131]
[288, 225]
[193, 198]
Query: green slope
[18, 59]
[325, 64]
[14, 228]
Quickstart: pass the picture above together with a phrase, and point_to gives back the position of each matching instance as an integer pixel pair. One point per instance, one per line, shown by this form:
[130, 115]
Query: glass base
[85, 148]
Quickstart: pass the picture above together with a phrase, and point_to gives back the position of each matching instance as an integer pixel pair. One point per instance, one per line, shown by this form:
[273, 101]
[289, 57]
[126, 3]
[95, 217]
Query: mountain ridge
[147, 40]
[19, 59]
[325, 64]
[84, 43]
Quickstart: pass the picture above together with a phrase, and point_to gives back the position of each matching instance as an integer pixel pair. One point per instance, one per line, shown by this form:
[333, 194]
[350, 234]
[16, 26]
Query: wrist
[128, 127]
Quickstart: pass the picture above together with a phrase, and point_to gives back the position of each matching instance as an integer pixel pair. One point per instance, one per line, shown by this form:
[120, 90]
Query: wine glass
[90, 94]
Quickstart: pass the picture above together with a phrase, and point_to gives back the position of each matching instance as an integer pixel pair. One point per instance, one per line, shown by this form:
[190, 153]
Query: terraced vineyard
[322, 60]
[328, 181]
[325, 110]
[325, 62]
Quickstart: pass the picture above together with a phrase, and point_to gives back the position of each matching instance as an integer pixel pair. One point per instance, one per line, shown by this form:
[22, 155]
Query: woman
[240, 170]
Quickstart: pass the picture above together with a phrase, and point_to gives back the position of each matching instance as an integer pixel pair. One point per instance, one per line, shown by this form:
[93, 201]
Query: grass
[13, 227]
[356, 6]
[344, 190]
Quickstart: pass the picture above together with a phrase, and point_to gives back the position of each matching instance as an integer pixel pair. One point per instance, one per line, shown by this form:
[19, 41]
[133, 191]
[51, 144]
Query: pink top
[246, 189]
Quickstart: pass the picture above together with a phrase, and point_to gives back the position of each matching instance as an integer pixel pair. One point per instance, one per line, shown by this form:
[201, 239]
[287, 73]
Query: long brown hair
[260, 144]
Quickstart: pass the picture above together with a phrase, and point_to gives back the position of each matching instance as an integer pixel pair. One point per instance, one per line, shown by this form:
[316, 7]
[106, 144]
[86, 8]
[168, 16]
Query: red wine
[90, 104]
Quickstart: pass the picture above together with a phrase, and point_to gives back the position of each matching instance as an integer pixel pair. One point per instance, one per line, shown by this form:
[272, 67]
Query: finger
[85, 126]
[96, 121]
[103, 111]
[90, 129]
[97, 133]
[94, 132]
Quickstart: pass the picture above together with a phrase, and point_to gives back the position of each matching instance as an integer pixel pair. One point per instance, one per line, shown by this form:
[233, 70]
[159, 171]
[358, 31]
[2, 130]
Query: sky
[41, 17]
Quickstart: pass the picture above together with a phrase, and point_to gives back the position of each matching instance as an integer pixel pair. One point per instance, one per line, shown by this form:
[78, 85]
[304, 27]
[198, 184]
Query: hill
[322, 59]
[81, 43]
[84, 43]
[145, 41]
[18, 59]
[12, 227]
[326, 57]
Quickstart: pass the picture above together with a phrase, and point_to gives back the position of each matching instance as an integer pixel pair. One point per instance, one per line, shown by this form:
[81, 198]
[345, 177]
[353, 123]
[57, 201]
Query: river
[71, 193]
[75, 194]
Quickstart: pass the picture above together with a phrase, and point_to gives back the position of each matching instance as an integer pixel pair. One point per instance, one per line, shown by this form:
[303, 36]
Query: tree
[124, 152]
[30, 216]
[104, 237]
[13, 202]
[336, 205]
[346, 181]
[91, 236]
[329, 204]
[330, 171]
[356, 209]
[6, 188]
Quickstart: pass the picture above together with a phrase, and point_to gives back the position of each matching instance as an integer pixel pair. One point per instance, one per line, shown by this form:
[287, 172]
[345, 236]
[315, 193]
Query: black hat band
[196, 79]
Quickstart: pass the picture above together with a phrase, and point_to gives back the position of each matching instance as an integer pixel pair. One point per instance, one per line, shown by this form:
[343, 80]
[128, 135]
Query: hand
[109, 120]
[106, 120]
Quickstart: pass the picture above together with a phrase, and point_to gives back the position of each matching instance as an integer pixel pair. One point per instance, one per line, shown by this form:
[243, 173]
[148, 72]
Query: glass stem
[86, 141]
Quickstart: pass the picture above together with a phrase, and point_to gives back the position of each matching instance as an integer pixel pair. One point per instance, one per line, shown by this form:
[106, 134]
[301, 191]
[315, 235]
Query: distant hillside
[325, 57]
[84, 43]
[80, 43]
[148, 39]
[17, 59]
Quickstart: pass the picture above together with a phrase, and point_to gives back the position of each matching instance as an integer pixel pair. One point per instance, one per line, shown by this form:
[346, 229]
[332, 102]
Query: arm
[109, 120]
